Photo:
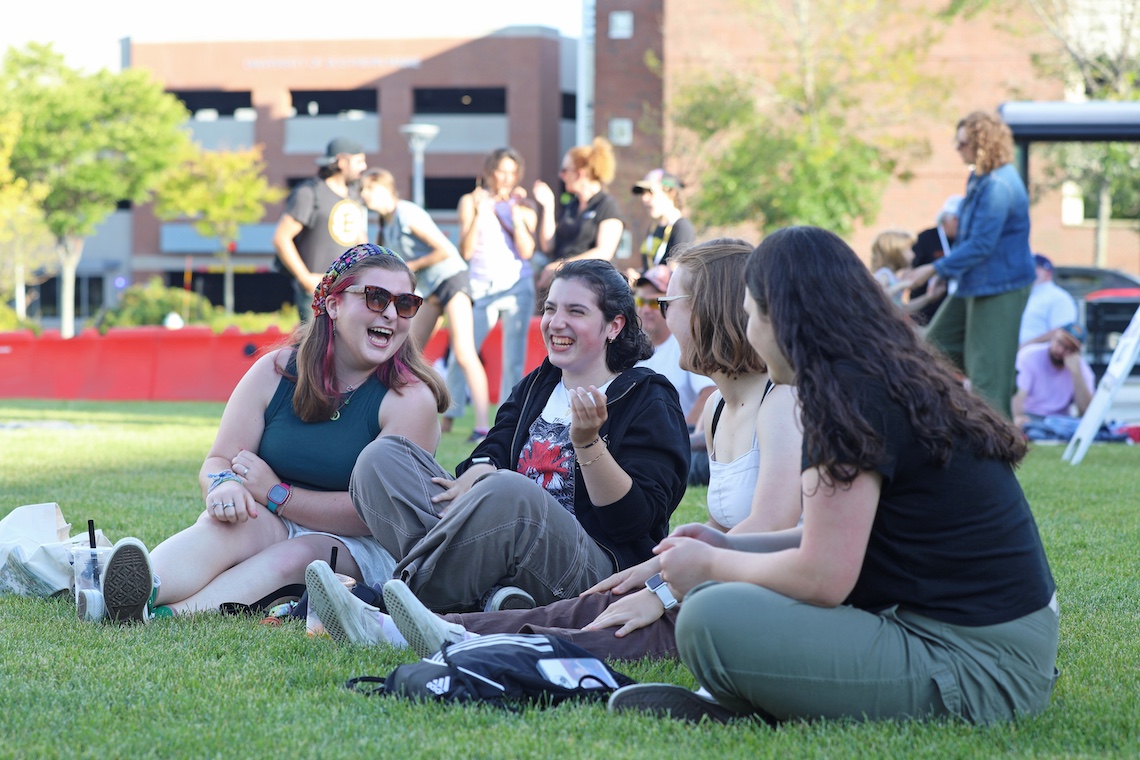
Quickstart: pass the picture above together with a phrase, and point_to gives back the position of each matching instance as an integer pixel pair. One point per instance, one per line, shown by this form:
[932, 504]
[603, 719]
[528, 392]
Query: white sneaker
[127, 582]
[425, 631]
[345, 618]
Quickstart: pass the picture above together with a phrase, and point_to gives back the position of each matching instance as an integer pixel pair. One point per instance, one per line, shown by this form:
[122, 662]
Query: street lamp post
[418, 136]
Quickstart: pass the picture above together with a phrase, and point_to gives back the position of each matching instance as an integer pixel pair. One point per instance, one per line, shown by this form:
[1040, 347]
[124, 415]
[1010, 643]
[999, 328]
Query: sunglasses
[638, 301]
[377, 300]
[663, 302]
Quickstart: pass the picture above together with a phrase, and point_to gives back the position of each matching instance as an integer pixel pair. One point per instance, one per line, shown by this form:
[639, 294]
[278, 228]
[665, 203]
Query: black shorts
[452, 286]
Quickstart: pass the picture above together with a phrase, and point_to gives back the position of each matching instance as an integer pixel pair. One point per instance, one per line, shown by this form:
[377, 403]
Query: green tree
[219, 191]
[1098, 58]
[91, 140]
[25, 242]
[813, 137]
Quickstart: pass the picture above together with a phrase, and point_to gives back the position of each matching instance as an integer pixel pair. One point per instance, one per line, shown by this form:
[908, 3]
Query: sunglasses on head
[377, 300]
[663, 302]
[638, 301]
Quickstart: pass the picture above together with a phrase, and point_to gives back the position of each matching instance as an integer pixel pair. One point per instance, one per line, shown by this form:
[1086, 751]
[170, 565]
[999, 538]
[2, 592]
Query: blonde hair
[595, 160]
[381, 177]
[889, 250]
[991, 139]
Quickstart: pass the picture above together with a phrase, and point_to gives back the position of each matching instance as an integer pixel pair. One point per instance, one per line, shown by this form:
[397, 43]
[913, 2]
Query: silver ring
[215, 504]
[246, 473]
[228, 505]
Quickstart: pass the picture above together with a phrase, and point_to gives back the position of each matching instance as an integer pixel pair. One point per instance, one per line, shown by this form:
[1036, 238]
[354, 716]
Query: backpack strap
[356, 684]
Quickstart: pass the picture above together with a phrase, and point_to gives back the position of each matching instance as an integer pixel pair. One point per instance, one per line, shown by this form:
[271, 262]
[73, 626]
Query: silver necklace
[351, 392]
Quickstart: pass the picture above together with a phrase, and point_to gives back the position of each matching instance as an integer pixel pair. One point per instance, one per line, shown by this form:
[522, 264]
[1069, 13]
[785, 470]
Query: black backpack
[507, 670]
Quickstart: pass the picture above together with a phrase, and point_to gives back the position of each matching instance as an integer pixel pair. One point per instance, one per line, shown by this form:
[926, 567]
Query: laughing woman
[576, 480]
[920, 587]
[275, 482]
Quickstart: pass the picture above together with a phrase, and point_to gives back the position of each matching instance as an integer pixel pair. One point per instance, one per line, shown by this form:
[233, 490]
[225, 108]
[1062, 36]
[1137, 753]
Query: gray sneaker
[507, 598]
[127, 582]
[425, 631]
[346, 618]
[668, 701]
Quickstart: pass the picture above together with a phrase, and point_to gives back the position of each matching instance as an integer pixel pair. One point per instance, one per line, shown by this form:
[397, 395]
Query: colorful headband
[342, 265]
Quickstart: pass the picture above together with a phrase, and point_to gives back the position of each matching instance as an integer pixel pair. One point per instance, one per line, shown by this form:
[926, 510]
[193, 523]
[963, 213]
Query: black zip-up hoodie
[646, 434]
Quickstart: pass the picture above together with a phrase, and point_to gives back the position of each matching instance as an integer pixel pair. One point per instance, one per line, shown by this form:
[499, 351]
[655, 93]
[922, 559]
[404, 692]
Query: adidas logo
[439, 686]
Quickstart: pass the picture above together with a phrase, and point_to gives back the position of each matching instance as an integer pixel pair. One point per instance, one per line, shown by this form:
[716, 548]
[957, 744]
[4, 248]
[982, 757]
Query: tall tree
[92, 140]
[813, 135]
[219, 191]
[25, 242]
[1098, 58]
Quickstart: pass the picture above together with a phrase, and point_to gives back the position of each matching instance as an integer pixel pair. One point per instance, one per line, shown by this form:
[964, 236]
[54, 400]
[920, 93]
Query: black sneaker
[127, 582]
[507, 598]
[668, 701]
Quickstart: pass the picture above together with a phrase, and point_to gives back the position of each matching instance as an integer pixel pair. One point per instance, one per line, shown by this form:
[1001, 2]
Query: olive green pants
[761, 652]
[979, 334]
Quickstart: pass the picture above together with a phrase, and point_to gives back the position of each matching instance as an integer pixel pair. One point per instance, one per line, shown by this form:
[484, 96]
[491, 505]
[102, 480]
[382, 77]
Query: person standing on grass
[441, 278]
[755, 452]
[497, 229]
[920, 587]
[275, 482]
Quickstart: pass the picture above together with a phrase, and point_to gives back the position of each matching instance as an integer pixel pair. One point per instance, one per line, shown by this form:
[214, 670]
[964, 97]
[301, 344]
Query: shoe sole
[424, 635]
[127, 583]
[668, 701]
[324, 589]
[510, 599]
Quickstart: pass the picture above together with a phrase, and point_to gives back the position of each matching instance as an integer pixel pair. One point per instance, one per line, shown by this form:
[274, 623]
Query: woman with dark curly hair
[576, 480]
[990, 267]
[920, 587]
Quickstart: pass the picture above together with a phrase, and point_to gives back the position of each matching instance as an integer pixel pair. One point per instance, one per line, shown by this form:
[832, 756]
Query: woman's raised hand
[587, 415]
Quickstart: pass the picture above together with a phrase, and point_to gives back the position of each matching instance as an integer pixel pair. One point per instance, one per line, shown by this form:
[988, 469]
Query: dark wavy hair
[714, 277]
[825, 308]
[614, 297]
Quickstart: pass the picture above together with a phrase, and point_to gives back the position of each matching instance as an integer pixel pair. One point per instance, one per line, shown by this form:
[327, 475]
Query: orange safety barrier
[157, 364]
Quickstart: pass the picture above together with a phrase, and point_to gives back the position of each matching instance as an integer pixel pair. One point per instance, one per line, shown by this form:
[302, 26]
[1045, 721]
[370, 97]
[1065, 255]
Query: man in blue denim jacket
[990, 268]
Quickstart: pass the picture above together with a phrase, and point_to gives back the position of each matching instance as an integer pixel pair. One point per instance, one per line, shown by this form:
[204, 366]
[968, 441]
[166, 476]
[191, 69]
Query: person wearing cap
[1053, 376]
[660, 191]
[323, 216]
[1049, 307]
[693, 389]
[933, 244]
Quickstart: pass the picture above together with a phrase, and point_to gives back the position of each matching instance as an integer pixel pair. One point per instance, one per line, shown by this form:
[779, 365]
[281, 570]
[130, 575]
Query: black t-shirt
[662, 241]
[331, 224]
[957, 544]
[577, 233]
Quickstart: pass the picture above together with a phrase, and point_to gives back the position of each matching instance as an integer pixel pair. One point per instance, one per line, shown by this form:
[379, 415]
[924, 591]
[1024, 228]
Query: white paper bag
[35, 550]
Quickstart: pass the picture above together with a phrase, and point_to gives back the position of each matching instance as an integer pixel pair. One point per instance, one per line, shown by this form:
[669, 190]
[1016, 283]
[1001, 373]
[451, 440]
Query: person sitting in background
[275, 482]
[1053, 376]
[1049, 307]
[693, 389]
[891, 255]
[933, 244]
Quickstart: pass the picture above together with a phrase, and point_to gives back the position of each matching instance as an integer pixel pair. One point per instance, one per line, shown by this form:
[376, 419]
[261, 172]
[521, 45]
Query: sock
[391, 632]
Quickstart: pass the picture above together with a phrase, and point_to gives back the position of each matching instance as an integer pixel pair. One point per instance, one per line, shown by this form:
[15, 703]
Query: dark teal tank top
[319, 455]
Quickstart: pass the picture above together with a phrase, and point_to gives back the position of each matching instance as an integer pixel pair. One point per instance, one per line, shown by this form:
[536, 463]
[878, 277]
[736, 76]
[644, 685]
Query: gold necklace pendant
[351, 392]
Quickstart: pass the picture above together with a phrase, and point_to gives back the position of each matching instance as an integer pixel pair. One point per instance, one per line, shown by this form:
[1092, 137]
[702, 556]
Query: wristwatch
[277, 497]
[659, 587]
[482, 460]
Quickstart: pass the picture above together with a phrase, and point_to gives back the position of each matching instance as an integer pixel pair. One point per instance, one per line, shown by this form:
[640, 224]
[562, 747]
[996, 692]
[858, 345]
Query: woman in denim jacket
[991, 264]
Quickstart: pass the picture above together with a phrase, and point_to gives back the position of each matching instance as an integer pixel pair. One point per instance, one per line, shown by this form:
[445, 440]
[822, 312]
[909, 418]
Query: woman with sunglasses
[575, 481]
[754, 446]
[275, 482]
[591, 224]
[441, 278]
[920, 587]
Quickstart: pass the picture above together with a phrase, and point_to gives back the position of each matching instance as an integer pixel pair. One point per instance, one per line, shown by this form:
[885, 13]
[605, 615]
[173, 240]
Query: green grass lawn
[229, 687]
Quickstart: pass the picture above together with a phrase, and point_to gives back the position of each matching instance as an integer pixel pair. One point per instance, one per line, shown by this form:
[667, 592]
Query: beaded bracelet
[588, 445]
[599, 456]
